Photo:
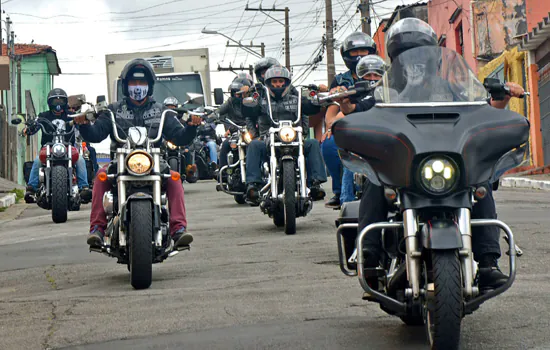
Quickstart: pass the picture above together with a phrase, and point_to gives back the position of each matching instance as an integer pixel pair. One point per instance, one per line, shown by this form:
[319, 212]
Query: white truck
[178, 73]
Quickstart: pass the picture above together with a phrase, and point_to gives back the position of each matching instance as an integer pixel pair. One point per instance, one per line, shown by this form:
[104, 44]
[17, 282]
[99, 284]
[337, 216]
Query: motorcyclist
[232, 109]
[369, 70]
[58, 110]
[73, 108]
[262, 66]
[284, 106]
[138, 108]
[355, 46]
[410, 33]
[171, 102]
[245, 75]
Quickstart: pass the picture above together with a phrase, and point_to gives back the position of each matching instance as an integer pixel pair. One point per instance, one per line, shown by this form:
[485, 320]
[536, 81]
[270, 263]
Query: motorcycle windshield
[429, 75]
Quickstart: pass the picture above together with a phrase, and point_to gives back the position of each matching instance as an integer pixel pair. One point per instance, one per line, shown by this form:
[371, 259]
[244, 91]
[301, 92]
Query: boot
[490, 276]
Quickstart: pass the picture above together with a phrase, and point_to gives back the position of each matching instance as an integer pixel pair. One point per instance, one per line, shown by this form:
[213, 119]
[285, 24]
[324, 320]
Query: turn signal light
[312, 93]
[102, 176]
[390, 194]
[175, 176]
[480, 192]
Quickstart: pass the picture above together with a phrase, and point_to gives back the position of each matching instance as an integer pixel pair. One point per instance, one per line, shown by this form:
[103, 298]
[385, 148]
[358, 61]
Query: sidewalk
[7, 198]
[539, 182]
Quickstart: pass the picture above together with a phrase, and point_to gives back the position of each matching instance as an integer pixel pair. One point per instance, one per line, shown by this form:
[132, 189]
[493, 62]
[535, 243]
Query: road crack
[51, 328]
[50, 278]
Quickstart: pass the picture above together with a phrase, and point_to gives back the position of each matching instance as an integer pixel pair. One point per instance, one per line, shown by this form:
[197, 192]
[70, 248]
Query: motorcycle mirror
[100, 98]
[16, 121]
[249, 101]
[218, 96]
[195, 98]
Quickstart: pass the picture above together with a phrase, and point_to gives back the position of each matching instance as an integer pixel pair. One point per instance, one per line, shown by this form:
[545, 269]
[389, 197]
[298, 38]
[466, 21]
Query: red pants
[176, 204]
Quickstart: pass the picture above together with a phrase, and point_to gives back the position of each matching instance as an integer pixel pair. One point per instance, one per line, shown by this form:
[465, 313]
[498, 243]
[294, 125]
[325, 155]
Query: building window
[459, 39]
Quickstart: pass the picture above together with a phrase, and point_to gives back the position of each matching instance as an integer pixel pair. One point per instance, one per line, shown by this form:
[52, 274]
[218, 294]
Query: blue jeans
[348, 187]
[257, 154]
[213, 147]
[334, 164]
[81, 174]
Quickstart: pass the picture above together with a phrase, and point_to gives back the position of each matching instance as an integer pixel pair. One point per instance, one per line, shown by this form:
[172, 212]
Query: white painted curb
[522, 182]
[7, 200]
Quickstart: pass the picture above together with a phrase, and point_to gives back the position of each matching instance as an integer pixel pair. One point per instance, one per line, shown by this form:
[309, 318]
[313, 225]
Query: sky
[83, 31]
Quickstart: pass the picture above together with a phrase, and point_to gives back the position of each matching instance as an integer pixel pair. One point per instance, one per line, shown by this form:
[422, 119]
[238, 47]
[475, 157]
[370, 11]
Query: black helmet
[263, 65]
[138, 69]
[58, 101]
[409, 33]
[236, 86]
[371, 64]
[278, 72]
[245, 75]
[355, 41]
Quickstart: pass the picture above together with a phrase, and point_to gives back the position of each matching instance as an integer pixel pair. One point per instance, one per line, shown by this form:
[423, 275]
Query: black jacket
[285, 109]
[232, 109]
[51, 117]
[128, 115]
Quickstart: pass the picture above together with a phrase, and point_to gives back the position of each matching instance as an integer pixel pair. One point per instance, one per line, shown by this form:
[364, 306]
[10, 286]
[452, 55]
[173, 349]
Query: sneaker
[334, 202]
[95, 238]
[490, 276]
[316, 191]
[30, 195]
[181, 238]
[86, 194]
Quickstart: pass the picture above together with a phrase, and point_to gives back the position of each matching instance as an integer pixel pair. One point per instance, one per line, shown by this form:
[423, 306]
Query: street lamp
[206, 31]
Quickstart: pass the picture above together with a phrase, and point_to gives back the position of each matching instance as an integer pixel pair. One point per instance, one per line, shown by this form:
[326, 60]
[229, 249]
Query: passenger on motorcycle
[284, 106]
[58, 105]
[410, 33]
[355, 46]
[138, 108]
[232, 109]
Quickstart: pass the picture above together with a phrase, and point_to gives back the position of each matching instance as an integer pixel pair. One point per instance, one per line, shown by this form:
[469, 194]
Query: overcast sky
[83, 31]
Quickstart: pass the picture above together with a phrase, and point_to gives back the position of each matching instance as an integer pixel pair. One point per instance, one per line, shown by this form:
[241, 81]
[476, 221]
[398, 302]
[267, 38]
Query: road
[244, 285]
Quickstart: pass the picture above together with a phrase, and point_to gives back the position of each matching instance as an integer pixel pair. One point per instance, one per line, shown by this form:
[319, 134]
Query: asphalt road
[244, 285]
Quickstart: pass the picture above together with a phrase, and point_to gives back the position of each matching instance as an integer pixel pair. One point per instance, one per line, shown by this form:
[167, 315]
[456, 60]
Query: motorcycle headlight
[59, 150]
[139, 163]
[287, 134]
[438, 175]
[247, 138]
[170, 145]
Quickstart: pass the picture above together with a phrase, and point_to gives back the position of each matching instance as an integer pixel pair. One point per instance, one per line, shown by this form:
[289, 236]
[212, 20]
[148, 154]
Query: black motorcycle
[83, 151]
[199, 153]
[435, 145]
[178, 159]
[58, 189]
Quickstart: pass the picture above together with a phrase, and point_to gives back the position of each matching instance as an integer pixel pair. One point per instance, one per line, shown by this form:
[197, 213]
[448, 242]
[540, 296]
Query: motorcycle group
[414, 149]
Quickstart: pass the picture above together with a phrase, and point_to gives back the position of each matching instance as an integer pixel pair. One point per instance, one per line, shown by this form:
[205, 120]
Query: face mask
[138, 92]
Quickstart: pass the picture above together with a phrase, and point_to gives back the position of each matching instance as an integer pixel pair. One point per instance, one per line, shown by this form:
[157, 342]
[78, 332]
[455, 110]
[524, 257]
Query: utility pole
[13, 106]
[329, 24]
[364, 8]
[286, 10]
[233, 69]
[261, 46]
[8, 52]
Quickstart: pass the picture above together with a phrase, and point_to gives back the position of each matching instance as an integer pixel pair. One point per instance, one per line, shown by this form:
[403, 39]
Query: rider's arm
[178, 134]
[364, 105]
[224, 109]
[99, 130]
[515, 90]
[332, 115]
[251, 115]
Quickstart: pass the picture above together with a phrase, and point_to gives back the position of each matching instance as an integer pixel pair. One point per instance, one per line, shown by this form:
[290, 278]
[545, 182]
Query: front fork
[302, 167]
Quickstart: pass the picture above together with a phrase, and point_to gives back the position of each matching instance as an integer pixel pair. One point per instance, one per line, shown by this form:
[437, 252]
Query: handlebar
[498, 90]
[42, 121]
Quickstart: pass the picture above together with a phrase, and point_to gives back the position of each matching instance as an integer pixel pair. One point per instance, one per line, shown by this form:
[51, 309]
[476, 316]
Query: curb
[522, 182]
[7, 200]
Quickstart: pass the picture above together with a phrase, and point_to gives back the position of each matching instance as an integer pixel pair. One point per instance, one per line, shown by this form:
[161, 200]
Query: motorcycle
[199, 152]
[138, 232]
[434, 149]
[177, 156]
[83, 151]
[58, 189]
[235, 169]
[285, 195]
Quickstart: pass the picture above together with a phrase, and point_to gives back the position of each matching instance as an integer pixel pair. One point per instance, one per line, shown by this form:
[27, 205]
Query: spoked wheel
[443, 303]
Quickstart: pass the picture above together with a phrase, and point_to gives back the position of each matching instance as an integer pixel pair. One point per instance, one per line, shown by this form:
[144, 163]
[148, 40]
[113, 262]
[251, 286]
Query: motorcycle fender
[140, 196]
[287, 157]
[441, 234]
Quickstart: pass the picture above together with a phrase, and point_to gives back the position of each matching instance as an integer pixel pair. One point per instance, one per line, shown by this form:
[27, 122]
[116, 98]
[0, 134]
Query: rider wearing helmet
[138, 108]
[355, 46]
[232, 109]
[171, 102]
[262, 66]
[407, 34]
[284, 106]
[58, 110]
[245, 75]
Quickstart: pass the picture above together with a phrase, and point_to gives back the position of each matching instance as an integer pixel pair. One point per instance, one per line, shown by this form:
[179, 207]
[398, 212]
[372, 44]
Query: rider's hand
[338, 89]
[227, 133]
[326, 136]
[195, 120]
[25, 132]
[323, 88]
[515, 89]
[80, 120]
[346, 106]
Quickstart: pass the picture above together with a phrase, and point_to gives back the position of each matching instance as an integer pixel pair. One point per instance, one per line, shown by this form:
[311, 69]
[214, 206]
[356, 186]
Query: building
[536, 45]
[379, 38]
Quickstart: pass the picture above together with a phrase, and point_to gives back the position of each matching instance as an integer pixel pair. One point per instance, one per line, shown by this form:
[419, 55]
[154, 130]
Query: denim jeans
[347, 193]
[256, 155]
[81, 174]
[213, 147]
[334, 164]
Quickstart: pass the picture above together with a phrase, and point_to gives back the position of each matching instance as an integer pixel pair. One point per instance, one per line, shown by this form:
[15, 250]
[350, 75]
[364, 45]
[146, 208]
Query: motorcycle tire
[60, 202]
[289, 196]
[141, 247]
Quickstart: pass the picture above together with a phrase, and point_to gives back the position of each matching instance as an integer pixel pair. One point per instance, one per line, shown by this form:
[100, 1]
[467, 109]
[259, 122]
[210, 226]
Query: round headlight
[247, 138]
[170, 145]
[59, 150]
[287, 134]
[139, 163]
[438, 175]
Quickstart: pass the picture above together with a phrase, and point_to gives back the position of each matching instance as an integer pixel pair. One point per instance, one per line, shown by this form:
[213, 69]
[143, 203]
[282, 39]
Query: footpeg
[182, 248]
